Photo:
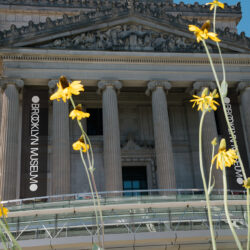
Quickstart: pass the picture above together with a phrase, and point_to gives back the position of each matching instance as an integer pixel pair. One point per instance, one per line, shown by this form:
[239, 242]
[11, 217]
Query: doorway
[134, 178]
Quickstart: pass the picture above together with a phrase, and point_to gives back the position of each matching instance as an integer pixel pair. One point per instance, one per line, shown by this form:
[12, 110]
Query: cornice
[168, 6]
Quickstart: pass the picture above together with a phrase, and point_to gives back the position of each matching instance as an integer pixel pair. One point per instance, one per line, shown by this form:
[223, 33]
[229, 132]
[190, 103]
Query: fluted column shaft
[1, 98]
[162, 136]
[60, 169]
[209, 132]
[111, 135]
[9, 140]
[244, 89]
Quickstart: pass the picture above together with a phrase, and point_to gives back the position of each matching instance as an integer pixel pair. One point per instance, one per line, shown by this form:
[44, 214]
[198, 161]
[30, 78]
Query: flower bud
[204, 92]
[79, 107]
[223, 145]
[64, 82]
[214, 141]
[206, 26]
[214, 92]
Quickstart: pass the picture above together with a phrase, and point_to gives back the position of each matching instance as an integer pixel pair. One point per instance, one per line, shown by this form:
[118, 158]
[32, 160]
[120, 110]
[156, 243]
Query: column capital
[52, 84]
[152, 85]
[199, 85]
[243, 85]
[103, 84]
[19, 83]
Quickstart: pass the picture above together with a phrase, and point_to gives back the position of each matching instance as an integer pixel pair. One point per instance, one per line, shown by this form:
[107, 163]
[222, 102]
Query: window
[134, 178]
[94, 122]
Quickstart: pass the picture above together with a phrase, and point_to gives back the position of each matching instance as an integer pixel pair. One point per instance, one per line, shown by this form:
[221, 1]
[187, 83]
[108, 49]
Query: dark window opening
[94, 122]
[134, 178]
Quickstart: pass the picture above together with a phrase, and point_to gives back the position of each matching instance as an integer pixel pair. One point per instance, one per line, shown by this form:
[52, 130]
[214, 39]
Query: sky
[244, 24]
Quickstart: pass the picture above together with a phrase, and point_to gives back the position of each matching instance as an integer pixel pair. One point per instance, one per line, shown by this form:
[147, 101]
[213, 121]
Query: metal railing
[172, 210]
[130, 195]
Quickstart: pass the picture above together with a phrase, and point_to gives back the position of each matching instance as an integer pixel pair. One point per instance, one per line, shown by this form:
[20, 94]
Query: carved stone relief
[128, 37]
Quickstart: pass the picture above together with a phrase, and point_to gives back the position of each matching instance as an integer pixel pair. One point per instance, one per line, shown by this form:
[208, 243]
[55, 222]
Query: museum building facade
[140, 66]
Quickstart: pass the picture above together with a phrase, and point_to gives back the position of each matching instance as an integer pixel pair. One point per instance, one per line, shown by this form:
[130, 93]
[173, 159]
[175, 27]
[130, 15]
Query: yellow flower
[215, 3]
[227, 156]
[205, 101]
[203, 33]
[80, 145]
[247, 183]
[3, 211]
[59, 94]
[75, 88]
[77, 113]
[65, 89]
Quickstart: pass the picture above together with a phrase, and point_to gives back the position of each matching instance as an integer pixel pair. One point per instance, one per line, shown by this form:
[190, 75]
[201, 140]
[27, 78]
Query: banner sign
[234, 173]
[34, 142]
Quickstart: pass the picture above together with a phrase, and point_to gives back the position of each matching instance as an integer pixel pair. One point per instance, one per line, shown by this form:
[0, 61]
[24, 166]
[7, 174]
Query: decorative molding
[132, 148]
[152, 85]
[121, 59]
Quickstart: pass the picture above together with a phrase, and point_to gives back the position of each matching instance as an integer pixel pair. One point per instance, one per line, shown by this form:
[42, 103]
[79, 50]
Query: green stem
[225, 112]
[210, 172]
[204, 182]
[84, 136]
[99, 205]
[248, 219]
[92, 193]
[4, 240]
[90, 157]
[10, 236]
[226, 208]
[89, 180]
[218, 46]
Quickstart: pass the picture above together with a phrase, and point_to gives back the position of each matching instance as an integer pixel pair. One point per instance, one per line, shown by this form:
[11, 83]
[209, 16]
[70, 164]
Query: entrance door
[134, 178]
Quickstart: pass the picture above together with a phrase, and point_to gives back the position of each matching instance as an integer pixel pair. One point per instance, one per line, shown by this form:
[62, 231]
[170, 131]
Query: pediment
[130, 36]
[117, 31]
[131, 147]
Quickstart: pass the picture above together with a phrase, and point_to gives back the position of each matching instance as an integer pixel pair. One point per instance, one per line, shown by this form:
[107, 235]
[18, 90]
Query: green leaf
[224, 88]
[96, 247]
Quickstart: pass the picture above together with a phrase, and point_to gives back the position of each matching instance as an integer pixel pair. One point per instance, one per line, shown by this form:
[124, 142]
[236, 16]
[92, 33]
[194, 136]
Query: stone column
[60, 169]
[244, 90]
[209, 132]
[162, 136]
[1, 98]
[111, 135]
[9, 138]
[193, 128]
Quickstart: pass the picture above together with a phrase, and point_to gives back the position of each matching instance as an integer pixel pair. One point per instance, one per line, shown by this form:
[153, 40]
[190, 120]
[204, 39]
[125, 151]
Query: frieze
[127, 37]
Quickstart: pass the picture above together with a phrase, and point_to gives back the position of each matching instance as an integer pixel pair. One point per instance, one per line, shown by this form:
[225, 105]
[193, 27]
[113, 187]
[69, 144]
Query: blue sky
[244, 24]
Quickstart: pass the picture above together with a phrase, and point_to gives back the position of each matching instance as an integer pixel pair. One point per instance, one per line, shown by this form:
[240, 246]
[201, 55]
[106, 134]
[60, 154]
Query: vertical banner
[34, 142]
[234, 173]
